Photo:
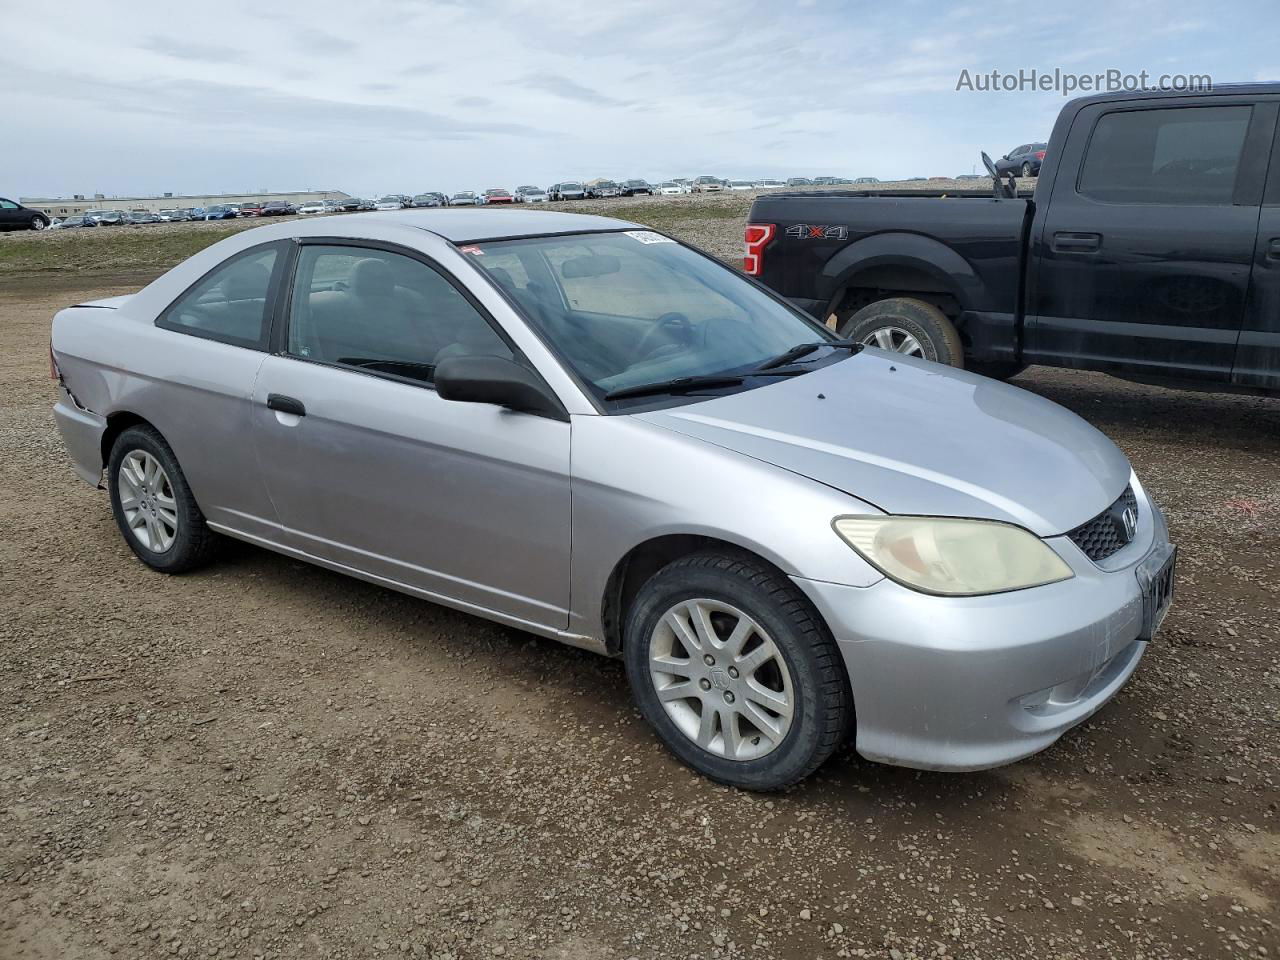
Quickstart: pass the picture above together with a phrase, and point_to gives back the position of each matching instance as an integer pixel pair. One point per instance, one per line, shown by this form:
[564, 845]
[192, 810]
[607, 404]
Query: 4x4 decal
[811, 231]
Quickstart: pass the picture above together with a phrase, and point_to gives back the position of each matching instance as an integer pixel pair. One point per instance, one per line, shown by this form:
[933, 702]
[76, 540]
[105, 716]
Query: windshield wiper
[678, 385]
[804, 349]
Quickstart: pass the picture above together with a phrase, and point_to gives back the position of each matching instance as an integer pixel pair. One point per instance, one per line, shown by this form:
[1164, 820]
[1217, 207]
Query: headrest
[372, 278]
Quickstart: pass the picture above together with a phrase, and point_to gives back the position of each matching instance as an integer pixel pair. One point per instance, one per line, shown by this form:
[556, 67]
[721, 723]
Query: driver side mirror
[499, 381]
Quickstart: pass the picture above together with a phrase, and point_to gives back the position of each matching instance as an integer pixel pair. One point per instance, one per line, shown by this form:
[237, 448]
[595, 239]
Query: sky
[402, 96]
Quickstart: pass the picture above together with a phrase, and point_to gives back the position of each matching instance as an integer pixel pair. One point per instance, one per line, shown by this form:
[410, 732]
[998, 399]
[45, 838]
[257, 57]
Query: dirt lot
[268, 760]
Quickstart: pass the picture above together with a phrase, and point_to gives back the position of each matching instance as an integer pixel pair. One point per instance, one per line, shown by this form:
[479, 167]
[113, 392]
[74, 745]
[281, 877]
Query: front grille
[1106, 533]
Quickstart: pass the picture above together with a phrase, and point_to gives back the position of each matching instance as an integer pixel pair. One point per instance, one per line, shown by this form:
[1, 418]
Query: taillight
[53, 364]
[1039, 154]
[757, 237]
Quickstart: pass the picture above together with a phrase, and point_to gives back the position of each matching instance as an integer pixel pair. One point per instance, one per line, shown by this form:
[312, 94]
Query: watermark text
[1066, 83]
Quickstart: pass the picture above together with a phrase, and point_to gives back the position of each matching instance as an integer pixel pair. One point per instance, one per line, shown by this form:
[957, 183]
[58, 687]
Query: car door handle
[283, 404]
[1273, 249]
[1077, 242]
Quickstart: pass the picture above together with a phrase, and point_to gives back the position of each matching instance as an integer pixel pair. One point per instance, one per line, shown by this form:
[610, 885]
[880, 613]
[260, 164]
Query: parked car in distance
[348, 204]
[173, 215]
[108, 218]
[73, 223]
[741, 185]
[971, 176]
[251, 209]
[770, 183]
[633, 188]
[1023, 161]
[707, 185]
[14, 216]
[603, 189]
[1109, 267]
[866, 180]
[669, 188]
[569, 190]
[389, 202]
[277, 208]
[220, 211]
[425, 200]
[142, 217]
[531, 195]
[955, 590]
[799, 182]
[466, 198]
[498, 195]
[312, 208]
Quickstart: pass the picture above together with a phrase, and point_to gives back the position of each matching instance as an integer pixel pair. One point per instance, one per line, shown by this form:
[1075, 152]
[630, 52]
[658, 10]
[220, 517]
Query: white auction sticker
[647, 236]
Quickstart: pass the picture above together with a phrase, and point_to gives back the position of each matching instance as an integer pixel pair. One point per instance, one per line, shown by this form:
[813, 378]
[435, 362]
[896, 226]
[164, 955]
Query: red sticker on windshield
[476, 250]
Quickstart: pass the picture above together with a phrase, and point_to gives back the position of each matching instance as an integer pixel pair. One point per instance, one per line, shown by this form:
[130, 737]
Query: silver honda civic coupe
[584, 429]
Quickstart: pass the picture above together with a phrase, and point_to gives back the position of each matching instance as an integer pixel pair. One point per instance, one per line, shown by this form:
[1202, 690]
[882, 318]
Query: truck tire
[908, 326]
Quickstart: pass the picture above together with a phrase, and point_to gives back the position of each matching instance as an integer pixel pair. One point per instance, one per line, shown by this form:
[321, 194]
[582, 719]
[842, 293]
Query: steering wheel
[662, 332]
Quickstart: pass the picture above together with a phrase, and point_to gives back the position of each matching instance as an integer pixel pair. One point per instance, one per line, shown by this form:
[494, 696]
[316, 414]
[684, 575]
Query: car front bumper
[969, 683]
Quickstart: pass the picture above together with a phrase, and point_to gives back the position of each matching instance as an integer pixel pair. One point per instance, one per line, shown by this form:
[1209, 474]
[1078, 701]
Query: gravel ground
[266, 760]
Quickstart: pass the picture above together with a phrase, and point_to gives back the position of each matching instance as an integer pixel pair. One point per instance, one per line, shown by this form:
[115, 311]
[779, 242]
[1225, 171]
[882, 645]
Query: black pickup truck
[1150, 249]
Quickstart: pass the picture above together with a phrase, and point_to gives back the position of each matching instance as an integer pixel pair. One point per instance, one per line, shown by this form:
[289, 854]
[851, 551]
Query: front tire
[153, 505]
[39, 223]
[736, 672]
[907, 326]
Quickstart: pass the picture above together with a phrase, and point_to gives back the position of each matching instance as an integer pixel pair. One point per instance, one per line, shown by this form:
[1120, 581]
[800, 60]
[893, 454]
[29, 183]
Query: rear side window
[1180, 155]
[231, 303]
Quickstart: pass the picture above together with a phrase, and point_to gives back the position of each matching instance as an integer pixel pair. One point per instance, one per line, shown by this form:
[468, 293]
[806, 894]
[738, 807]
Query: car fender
[945, 268]
[626, 493]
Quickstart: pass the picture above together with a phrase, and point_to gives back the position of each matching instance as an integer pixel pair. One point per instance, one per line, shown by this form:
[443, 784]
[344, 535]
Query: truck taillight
[757, 237]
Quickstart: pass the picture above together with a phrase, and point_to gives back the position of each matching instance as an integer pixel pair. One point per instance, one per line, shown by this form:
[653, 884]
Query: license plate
[1157, 594]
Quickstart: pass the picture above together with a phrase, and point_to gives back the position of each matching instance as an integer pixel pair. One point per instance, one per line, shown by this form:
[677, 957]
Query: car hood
[913, 437]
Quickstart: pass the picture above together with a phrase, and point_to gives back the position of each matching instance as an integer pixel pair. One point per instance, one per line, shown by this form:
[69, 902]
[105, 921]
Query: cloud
[319, 41]
[185, 49]
[567, 89]
[474, 102]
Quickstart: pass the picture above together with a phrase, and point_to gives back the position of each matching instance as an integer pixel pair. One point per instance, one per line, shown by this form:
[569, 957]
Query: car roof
[468, 226]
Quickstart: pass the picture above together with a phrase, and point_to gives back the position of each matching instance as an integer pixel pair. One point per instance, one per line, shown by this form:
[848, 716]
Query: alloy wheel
[721, 679]
[894, 339]
[147, 501]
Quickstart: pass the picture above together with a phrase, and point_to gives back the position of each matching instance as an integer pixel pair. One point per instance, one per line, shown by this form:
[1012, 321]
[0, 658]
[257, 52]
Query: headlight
[953, 557]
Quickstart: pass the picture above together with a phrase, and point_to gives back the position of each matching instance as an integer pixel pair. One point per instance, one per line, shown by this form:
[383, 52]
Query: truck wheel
[909, 326]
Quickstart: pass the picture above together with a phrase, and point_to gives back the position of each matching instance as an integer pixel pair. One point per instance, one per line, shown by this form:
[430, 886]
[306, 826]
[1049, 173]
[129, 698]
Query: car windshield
[635, 308]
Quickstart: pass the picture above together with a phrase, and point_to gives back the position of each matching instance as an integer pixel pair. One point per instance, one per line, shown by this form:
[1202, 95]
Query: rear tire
[1026, 169]
[908, 326]
[153, 505]
[752, 692]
